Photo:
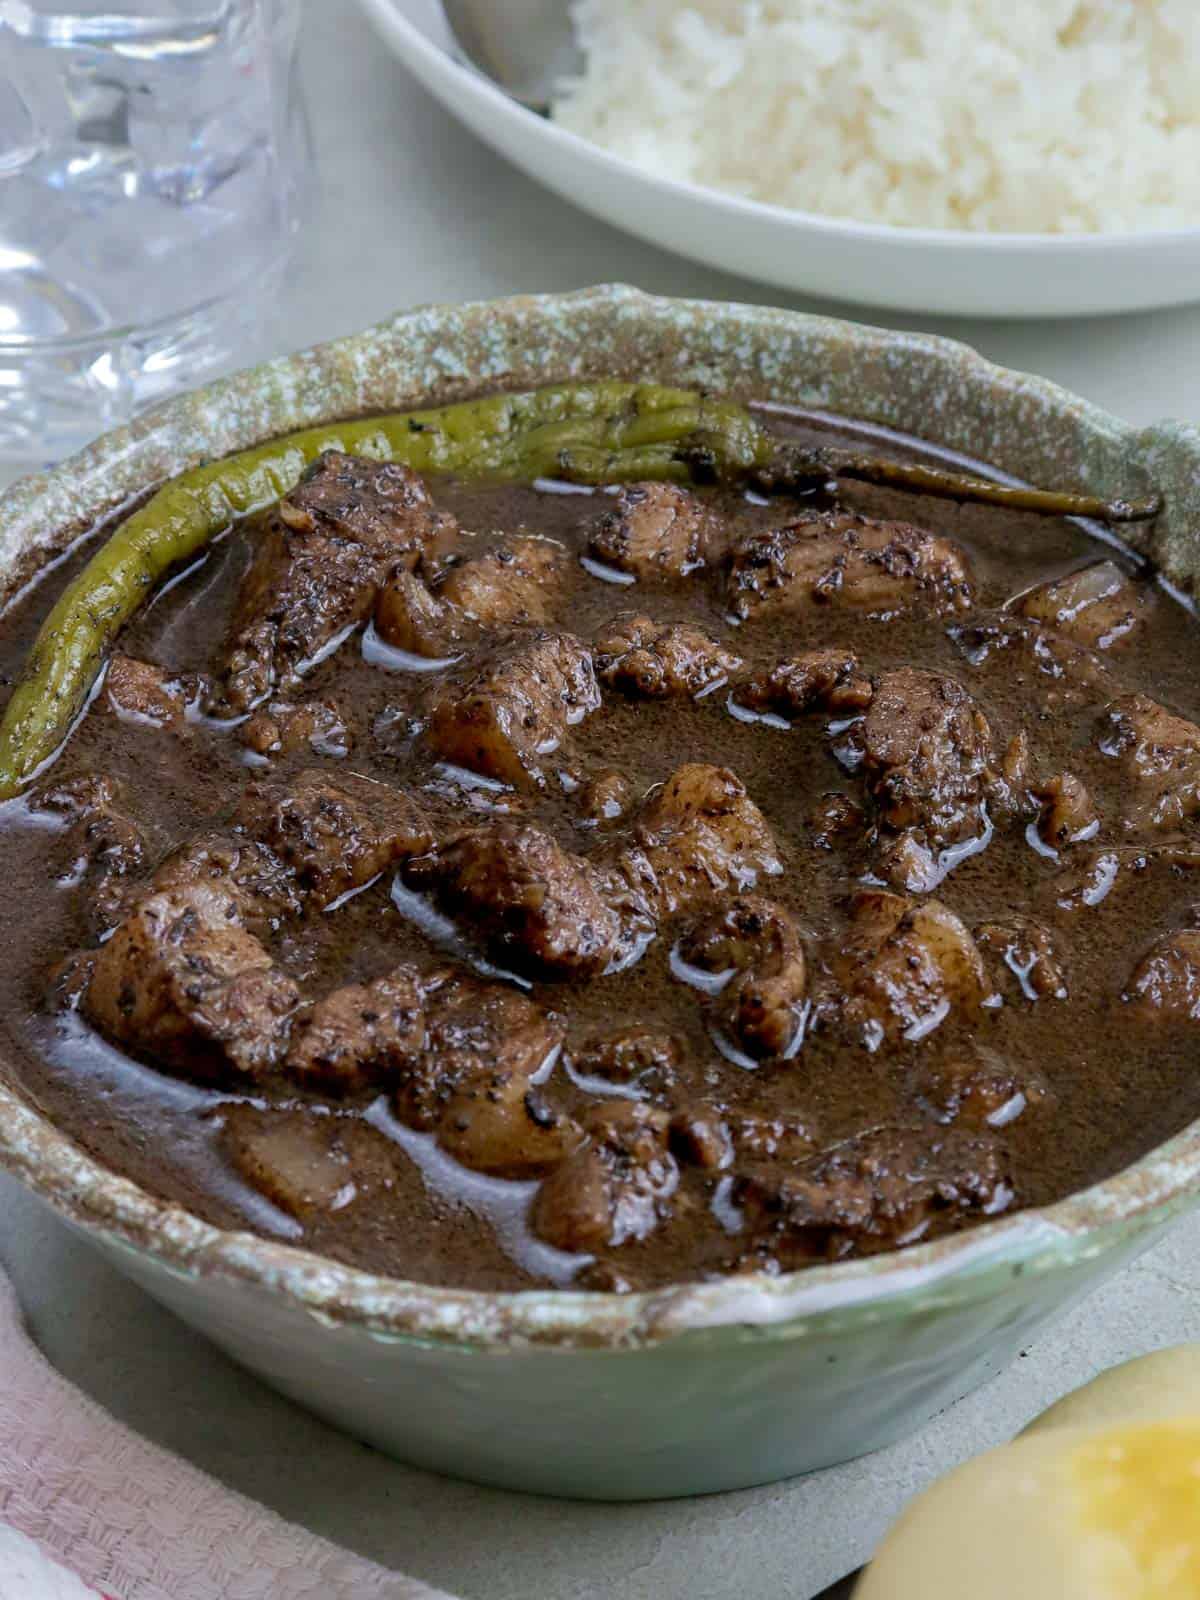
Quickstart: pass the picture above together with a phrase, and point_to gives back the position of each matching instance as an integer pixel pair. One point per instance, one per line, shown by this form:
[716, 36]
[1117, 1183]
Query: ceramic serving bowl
[704, 1386]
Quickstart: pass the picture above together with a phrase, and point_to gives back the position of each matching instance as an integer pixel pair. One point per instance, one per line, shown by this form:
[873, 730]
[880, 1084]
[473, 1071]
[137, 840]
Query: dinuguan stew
[499, 882]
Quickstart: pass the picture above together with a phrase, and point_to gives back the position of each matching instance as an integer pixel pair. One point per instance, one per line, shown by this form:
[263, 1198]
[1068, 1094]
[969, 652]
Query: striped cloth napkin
[88, 1508]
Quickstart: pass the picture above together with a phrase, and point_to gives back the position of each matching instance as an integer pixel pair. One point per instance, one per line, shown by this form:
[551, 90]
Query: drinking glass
[154, 168]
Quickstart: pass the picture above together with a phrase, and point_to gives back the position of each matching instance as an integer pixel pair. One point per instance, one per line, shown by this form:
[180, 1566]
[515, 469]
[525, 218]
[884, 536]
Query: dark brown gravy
[1115, 1087]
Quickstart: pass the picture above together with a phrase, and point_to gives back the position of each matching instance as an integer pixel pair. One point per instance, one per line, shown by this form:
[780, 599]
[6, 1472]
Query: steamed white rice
[1059, 116]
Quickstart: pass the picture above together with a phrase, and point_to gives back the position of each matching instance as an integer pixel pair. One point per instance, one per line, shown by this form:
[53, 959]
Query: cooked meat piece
[1098, 873]
[360, 1034]
[1159, 754]
[512, 707]
[657, 661]
[501, 1125]
[336, 832]
[303, 593]
[86, 795]
[1064, 673]
[763, 1008]
[1098, 606]
[280, 728]
[656, 531]
[844, 560]
[737, 935]
[639, 1057]
[604, 798]
[264, 889]
[696, 837]
[539, 908]
[1068, 815]
[100, 845]
[409, 616]
[814, 680]
[757, 945]
[1165, 984]
[978, 1088]
[181, 981]
[335, 538]
[518, 582]
[1009, 792]
[889, 1186]
[837, 818]
[474, 1031]
[708, 1136]
[308, 1164]
[1024, 958]
[615, 1187]
[901, 968]
[382, 505]
[925, 750]
[141, 692]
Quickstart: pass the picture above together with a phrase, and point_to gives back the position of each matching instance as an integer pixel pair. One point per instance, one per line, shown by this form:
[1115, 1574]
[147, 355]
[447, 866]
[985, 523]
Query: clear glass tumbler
[154, 167]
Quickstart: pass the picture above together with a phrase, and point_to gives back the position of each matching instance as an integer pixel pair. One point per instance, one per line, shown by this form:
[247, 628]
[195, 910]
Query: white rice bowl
[1026, 116]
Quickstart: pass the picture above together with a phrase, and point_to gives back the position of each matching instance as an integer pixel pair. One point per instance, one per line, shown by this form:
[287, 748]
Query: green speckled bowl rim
[920, 384]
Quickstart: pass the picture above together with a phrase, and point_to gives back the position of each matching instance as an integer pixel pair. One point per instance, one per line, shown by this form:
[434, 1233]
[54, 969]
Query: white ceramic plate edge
[925, 270]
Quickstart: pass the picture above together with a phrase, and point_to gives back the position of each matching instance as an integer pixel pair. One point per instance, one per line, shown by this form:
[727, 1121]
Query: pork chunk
[1099, 606]
[182, 982]
[696, 837]
[838, 559]
[280, 728]
[978, 1088]
[1010, 793]
[100, 845]
[1064, 673]
[757, 947]
[887, 1187]
[336, 832]
[1025, 958]
[1096, 874]
[616, 1187]
[1068, 816]
[901, 968]
[140, 692]
[657, 532]
[501, 1125]
[659, 661]
[263, 889]
[642, 1059]
[925, 750]
[604, 798]
[474, 1031]
[1165, 984]
[539, 908]
[710, 1136]
[511, 709]
[360, 1034]
[323, 556]
[382, 505]
[815, 680]
[1159, 754]
[518, 582]
[309, 1165]
[835, 819]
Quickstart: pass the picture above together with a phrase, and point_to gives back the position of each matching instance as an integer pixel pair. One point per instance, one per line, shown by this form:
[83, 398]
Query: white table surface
[412, 210]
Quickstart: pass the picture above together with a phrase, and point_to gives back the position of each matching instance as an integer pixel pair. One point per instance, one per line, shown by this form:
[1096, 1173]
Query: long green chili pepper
[798, 466]
[594, 432]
